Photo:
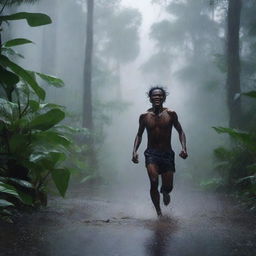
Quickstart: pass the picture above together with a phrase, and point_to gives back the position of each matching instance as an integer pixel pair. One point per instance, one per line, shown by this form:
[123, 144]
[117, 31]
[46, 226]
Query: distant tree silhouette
[233, 63]
[87, 94]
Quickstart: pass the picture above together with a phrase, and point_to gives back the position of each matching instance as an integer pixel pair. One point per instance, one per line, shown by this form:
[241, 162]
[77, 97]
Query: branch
[26, 107]
[43, 180]
[3, 8]
[18, 101]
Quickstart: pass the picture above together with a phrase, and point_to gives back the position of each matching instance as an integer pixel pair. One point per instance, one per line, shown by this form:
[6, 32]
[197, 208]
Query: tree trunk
[87, 121]
[233, 63]
[87, 93]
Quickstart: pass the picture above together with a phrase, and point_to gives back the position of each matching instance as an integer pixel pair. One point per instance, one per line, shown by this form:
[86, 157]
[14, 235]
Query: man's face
[157, 98]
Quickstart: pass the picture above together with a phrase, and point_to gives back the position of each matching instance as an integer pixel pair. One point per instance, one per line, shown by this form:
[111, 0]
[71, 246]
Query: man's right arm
[138, 139]
[183, 154]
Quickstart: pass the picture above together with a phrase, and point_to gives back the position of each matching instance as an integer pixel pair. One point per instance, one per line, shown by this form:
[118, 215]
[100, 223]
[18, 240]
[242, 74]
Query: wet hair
[157, 87]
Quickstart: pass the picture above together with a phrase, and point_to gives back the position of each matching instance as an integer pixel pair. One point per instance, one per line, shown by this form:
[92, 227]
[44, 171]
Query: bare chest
[162, 121]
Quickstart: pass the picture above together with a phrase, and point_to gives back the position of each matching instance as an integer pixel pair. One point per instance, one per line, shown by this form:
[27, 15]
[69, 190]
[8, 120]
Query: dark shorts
[163, 159]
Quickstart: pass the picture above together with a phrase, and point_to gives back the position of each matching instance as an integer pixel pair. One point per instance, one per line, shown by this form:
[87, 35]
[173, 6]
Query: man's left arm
[182, 137]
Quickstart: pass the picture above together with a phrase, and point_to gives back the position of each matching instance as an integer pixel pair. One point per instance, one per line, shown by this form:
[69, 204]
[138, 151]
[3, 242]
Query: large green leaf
[251, 179]
[46, 160]
[33, 19]
[61, 180]
[36, 157]
[56, 157]
[88, 177]
[46, 121]
[25, 197]
[17, 41]
[50, 106]
[4, 203]
[244, 137]
[17, 182]
[17, 142]
[72, 130]
[50, 138]
[52, 80]
[11, 52]
[250, 94]
[8, 78]
[24, 75]
[34, 105]
[222, 154]
[7, 110]
[21, 124]
[8, 189]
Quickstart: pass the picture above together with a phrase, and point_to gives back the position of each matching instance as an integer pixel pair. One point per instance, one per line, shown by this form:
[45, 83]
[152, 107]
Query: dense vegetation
[237, 166]
[217, 41]
[36, 147]
[33, 143]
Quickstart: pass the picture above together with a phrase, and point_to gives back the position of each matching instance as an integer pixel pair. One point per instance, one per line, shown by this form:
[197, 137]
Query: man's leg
[167, 186]
[154, 193]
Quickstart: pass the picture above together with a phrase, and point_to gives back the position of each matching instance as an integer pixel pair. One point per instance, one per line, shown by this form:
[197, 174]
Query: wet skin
[158, 122]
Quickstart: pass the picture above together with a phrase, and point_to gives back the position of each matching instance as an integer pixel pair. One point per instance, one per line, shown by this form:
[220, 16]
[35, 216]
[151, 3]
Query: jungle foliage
[194, 34]
[237, 162]
[33, 143]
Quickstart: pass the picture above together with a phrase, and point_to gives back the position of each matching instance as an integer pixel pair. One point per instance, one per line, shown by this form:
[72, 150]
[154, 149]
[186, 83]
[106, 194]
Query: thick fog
[67, 168]
[120, 81]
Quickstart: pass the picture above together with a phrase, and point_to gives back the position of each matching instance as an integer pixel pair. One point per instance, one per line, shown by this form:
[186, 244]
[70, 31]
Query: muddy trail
[107, 220]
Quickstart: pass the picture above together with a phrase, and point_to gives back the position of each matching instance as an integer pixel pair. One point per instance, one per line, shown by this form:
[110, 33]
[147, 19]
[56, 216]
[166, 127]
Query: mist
[196, 94]
[182, 46]
[120, 83]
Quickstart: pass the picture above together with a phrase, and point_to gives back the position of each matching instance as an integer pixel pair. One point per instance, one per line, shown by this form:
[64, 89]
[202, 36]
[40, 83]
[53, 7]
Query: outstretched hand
[135, 158]
[183, 154]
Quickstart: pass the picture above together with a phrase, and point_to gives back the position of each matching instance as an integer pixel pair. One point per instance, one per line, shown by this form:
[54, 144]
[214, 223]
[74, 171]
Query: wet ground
[112, 221]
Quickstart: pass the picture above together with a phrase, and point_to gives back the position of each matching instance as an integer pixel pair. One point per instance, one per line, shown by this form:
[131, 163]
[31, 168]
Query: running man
[159, 156]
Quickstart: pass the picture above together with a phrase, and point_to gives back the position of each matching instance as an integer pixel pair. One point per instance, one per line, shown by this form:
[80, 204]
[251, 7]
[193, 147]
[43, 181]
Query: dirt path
[124, 223]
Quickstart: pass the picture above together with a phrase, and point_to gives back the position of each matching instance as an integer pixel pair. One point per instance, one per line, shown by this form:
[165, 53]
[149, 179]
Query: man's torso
[159, 129]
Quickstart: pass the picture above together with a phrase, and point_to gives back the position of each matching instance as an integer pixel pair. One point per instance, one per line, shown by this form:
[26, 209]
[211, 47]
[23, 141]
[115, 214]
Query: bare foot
[159, 213]
[166, 198]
